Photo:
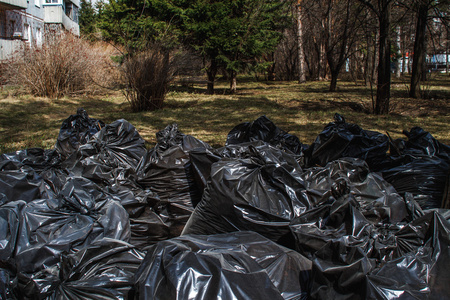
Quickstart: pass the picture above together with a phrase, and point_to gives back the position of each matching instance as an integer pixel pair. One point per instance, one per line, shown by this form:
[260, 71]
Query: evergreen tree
[87, 18]
[134, 24]
[232, 34]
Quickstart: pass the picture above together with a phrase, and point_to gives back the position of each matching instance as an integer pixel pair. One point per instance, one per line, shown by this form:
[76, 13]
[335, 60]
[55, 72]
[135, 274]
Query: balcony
[70, 25]
[13, 4]
[54, 13]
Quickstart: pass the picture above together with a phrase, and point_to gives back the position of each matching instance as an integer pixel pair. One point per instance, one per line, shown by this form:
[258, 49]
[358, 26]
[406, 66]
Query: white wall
[9, 47]
[53, 13]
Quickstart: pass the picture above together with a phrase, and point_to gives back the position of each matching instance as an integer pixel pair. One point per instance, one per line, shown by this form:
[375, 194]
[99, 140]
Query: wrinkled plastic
[262, 129]
[66, 218]
[103, 270]
[422, 142]
[6, 284]
[340, 139]
[36, 234]
[261, 193]
[116, 148]
[166, 171]
[10, 218]
[239, 265]
[203, 158]
[18, 185]
[35, 158]
[355, 259]
[265, 196]
[76, 130]
[420, 166]
[31, 174]
[424, 177]
[80, 216]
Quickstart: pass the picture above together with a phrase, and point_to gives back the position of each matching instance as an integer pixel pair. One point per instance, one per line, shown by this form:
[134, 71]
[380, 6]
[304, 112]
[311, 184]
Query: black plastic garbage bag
[377, 200]
[103, 270]
[24, 185]
[36, 158]
[80, 216]
[261, 193]
[421, 272]
[340, 139]
[76, 130]
[10, 218]
[250, 194]
[262, 129]
[172, 137]
[148, 220]
[32, 161]
[116, 148]
[203, 158]
[422, 142]
[354, 258]
[167, 171]
[425, 177]
[6, 284]
[240, 265]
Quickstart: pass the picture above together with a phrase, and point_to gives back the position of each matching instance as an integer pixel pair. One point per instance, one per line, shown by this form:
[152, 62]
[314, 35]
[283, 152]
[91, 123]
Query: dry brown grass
[303, 110]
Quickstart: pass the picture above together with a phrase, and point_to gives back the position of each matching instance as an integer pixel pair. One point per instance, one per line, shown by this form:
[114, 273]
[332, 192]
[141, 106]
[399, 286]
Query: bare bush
[106, 74]
[64, 65]
[148, 75]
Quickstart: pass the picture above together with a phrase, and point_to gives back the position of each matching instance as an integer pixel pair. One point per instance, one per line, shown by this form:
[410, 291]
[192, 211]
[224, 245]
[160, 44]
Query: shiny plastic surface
[75, 223]
[239, 265]
[262, 129]
[340, 139]
[166, 171]
[76, 130]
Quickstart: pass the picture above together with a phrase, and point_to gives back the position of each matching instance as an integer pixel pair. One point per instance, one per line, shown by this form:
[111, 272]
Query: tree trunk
[211, 72]
[375, 58]
[233, 83]
[301, 53]
[333, 83]
[368, 64]
[271, 75]
[322, 59]
[419, 50]
[447, 53]
[398, 70]
[384, 64]
[403, 56]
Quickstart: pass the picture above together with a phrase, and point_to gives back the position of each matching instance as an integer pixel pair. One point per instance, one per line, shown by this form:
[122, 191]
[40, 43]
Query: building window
[52, 2]
[75, 14]
[68, 10]
[38, 37]
[27, 32]
[12, 27]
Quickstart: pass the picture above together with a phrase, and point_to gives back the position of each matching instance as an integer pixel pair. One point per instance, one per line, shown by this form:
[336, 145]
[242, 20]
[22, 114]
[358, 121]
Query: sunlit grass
[302, 110]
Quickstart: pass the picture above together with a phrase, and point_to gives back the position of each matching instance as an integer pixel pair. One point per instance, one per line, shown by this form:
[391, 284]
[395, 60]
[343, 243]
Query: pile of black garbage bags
[354, 215]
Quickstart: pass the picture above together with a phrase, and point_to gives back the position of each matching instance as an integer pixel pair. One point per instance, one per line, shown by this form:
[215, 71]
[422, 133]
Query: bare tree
[341, 31]
[425, 10]
[382, 9]
[300, 48]
[422, 6]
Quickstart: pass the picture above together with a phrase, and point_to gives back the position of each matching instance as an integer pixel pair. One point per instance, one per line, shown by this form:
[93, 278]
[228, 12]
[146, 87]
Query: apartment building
[25, 22]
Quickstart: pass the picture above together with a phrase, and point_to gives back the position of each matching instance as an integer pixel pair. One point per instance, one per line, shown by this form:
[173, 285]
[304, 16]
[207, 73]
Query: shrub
[148, 75]
[65, 64]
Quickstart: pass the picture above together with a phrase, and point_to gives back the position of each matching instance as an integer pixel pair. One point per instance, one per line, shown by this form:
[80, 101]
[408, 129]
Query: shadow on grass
[300, 110]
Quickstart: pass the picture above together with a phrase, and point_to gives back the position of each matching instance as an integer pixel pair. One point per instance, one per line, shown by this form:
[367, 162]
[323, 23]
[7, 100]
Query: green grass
[302, 110]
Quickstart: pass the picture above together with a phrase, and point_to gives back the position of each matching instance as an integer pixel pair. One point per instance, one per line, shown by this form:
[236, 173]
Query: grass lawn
[302, 110]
